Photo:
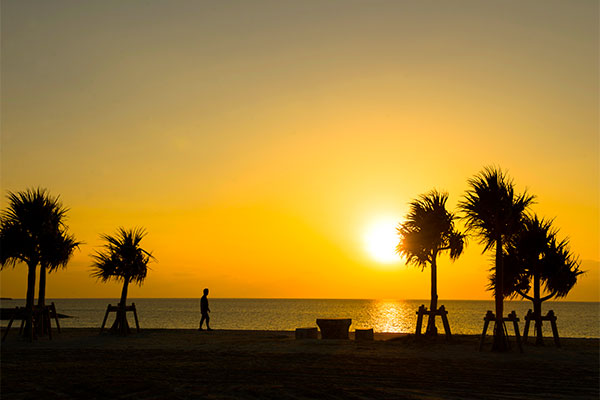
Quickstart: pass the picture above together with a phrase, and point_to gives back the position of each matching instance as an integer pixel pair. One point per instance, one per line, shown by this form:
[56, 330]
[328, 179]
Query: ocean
[575, 319]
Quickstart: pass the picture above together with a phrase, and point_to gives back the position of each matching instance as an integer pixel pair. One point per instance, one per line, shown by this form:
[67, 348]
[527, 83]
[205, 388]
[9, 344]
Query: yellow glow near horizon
[381, 240]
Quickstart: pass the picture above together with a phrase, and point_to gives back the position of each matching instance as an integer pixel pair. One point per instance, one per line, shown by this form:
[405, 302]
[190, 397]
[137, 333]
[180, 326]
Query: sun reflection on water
[390, 316]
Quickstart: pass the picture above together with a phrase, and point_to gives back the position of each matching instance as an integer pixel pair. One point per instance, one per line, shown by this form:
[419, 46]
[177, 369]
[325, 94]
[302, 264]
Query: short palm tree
[494, 212]
[429, 230]
[32, 218]
[537, 260]
[122, 259]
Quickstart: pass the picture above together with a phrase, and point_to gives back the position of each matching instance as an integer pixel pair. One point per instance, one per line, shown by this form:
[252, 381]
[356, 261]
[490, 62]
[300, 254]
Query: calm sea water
[575, 319]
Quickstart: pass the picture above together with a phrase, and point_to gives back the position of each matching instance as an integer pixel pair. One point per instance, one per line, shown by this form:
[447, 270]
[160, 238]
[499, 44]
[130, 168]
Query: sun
[381, 240]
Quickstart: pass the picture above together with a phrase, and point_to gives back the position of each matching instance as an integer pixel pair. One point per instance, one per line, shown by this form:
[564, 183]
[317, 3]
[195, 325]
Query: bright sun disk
[381, 240]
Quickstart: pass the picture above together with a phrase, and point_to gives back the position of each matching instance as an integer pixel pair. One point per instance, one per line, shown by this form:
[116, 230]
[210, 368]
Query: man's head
[206, 291]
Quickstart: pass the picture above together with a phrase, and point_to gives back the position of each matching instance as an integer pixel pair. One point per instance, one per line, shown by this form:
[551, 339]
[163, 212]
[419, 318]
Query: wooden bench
[307, 333]
[334, 328]
[363, 334]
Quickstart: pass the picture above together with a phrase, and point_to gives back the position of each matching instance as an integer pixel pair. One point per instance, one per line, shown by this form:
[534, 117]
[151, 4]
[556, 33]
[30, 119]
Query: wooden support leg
[105, 318]
[22, 326]
[552, 318]
[489, 316]
[420, 314]
[137, 324]
[30, 321]
[8, 328]
[528, 318]
[444, 315]
[516, 326]
[56, 317]
[506, 334]
[46, 319]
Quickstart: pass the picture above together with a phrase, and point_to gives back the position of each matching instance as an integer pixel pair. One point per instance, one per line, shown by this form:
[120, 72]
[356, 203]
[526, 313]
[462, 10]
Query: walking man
[204, 310]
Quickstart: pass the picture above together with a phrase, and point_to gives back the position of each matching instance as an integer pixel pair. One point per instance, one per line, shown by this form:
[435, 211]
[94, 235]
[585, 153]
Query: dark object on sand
[307, 333]
[548, 317]
[432, 314]
[46, 313]
[334, 328]
[363, 334]
[121, 315]
[489, 317]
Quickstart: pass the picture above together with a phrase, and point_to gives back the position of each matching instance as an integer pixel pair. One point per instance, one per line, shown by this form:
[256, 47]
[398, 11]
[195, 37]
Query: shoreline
[186, 363]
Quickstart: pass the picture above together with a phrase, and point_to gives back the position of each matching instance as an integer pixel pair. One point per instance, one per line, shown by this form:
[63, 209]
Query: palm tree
[428, 230]
[537, 260]
[493, 211]
[30, 220]
[57, 251]
[122, 259]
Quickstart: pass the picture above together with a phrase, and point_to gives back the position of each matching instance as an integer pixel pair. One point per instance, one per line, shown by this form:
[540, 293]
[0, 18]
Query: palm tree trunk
[30, 299]
[537, 309]
[120, 325]
[42, 326]
[500, 341]
[431, 328]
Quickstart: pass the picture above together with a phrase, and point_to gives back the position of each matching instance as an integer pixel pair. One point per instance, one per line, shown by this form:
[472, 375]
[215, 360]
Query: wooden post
[46, 318]
[489, 316]
[55, 316]
[513, 317]
[137, 324]
[442, 311]
[105, 318]
[552, 319]
[528, 318]
[420, 313]
[10, 324]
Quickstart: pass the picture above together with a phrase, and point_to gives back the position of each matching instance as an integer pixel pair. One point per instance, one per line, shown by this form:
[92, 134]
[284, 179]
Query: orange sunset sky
[260, 142]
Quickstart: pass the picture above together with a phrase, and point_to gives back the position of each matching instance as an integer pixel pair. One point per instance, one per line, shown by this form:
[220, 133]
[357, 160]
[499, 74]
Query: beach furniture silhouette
[363, 334]
[307, 333]
[334, 328]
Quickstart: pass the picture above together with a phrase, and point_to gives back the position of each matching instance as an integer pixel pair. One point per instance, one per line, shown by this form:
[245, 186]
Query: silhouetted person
[204, 310]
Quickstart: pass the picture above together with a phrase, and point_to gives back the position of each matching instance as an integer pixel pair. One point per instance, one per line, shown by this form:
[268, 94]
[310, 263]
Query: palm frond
[121, 257]
[428, 229]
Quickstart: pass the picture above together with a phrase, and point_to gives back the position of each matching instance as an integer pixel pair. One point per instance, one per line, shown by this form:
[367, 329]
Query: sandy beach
[187, 364]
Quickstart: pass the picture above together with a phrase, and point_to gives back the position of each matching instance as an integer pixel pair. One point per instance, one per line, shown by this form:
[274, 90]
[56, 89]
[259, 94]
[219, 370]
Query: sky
[259, 143]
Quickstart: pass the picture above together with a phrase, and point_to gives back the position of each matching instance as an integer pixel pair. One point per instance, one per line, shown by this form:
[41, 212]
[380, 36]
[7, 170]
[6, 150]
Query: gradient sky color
[258, 141]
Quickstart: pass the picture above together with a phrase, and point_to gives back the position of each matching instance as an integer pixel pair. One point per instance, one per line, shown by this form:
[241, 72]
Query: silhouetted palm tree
[537, 260]
[57, 250]
[494, 212]
[122, 259]
[31, 219]
[428, 230]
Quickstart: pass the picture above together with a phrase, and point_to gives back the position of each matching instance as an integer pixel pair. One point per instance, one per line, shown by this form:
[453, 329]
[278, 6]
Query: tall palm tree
[429, 230]
[57, 250]
[31, 218]
[122, 259]
[538, 262]
[493, 211]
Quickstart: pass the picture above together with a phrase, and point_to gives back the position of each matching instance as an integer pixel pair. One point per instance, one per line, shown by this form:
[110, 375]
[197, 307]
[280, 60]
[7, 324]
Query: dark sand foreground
[187, 364]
